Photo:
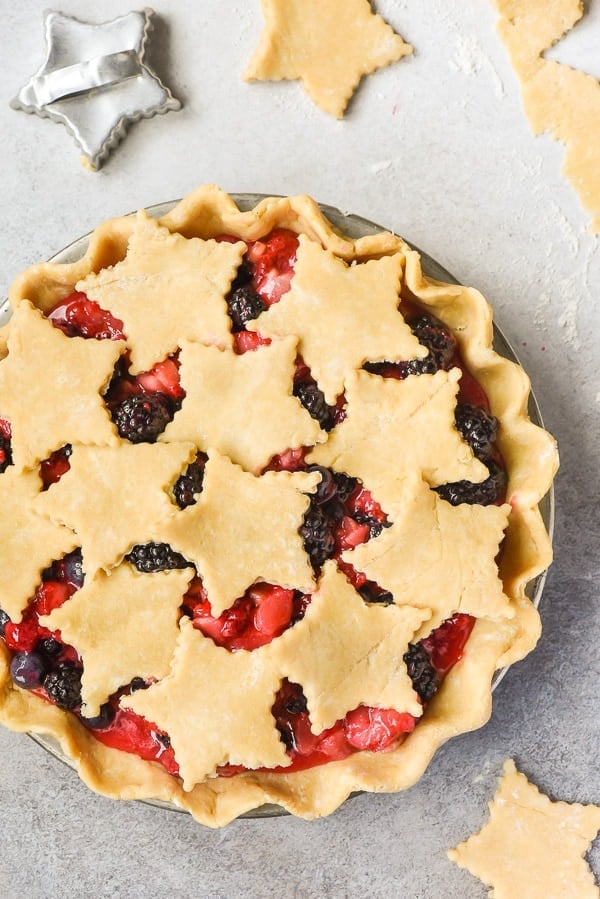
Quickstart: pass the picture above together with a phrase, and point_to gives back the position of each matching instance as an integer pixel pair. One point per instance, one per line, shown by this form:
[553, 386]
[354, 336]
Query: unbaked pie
[270, 509]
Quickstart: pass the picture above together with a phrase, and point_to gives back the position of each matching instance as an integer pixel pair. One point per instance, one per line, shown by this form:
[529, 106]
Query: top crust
[507, 625]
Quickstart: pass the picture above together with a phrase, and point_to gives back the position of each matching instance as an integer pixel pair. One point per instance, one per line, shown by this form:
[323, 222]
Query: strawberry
[272, 260]
[163, 378]
[78, 316]
[376, 729]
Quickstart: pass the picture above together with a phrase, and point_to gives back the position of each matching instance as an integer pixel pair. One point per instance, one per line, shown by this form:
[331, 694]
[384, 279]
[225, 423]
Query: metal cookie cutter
[95, 82]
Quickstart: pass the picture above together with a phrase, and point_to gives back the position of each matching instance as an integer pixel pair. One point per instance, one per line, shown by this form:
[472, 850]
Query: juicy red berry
[313, 400]
[56, 465]
[63, 685]
[372, 729]
[445, 645]
[246, 341]
[78, 316]
[421, 671]
[244, 305]
[189, 485]
[477, 427]
[150, 557]
[142, 417]
[28, 669]
[272, 262]
[486, 493]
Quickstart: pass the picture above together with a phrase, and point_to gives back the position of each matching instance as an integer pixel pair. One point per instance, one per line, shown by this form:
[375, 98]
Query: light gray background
[437, 148]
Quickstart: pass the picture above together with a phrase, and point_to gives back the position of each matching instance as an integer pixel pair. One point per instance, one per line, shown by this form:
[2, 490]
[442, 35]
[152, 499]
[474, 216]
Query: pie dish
[269, 548]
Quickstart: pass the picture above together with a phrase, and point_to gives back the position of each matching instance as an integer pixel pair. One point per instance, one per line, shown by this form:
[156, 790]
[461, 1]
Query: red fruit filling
[78, 316]
[272, 261]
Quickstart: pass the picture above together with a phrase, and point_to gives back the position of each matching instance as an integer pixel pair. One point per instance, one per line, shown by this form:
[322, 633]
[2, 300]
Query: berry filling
[342, 514]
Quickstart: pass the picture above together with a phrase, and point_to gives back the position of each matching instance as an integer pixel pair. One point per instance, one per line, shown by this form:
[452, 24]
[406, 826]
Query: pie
[271, 508]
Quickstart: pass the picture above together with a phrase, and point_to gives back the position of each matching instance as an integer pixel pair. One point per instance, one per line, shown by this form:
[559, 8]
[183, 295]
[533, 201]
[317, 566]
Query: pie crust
[345, 652]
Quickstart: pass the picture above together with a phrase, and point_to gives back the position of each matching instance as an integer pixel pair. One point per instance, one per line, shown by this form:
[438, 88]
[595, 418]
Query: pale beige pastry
[327, 46]
[557, 99]
[532, 846]
[235, 576]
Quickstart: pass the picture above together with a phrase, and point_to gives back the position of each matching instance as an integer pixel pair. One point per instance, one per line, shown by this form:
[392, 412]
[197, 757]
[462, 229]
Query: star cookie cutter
[95, 82]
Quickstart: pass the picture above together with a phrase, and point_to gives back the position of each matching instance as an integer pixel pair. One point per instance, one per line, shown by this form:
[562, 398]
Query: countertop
[437, 148]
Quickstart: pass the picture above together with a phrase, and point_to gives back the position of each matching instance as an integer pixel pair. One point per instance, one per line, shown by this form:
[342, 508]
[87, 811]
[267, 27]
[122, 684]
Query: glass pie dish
[355, 227]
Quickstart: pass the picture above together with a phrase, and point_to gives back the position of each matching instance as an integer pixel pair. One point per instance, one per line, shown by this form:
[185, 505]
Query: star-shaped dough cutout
[532, 847]
[244, 529]
[438, 556]
[349, 652]
[343, 315]
[124, 625]
[194, 706]
[65, 409]
[95, 81]
[166, 287]
[388, 430]
[112, 514]
[29, 543]
[328, 47]
[253, 415]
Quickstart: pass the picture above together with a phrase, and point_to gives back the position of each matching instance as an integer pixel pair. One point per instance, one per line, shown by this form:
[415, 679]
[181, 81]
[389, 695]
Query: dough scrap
[557, 98]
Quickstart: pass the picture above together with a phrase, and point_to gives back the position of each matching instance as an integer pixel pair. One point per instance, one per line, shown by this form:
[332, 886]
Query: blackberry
[423, 675]
[48, 647]
[477, 427]
[63, 685]
[243, 276]
[164, 740]
[371, 592]
[102, 719]
[313, 400]
[439, 340]
[326, 490]
[290, 702]
[138, 683]
[344, 485]
[317, 534]
[5, 453]
[486, 493]
[142, 417]
[149, 557]
[4, 620]
[189, 484]
[244, 304]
